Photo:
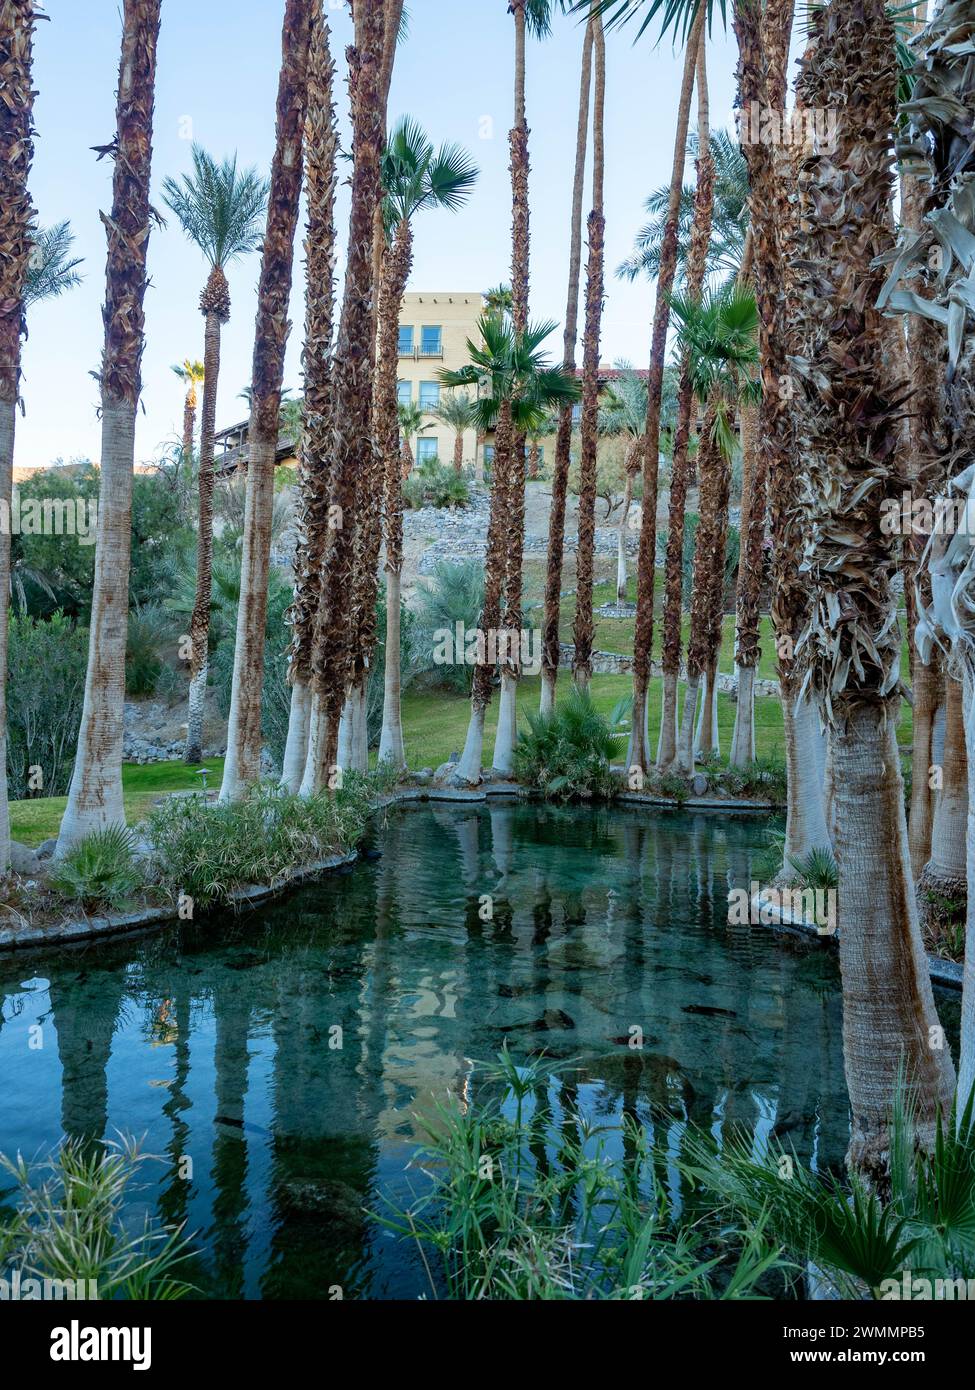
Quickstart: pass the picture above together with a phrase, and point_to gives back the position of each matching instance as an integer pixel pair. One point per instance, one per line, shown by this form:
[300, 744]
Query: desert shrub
[453, 594]
[208, 851]
[763, 778]
[675, 785]
[434, 484]
[149, 630]
[46, 663]
[100, 871]
[69, 1224]
[567, 754]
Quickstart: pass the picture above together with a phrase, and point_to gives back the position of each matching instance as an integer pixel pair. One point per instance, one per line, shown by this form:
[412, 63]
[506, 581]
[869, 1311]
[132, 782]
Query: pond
[287, 1053]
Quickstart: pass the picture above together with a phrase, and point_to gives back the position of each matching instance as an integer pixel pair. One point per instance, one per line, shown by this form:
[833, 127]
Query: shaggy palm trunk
[942, 886]
[514, 494]
[638, 751]
[748, 591]
[966, 1065]
[632, 466]
[850, 650]
[563, 438]
[352, 373]
[582, 633]
[396, 273]
[95, 794]
[244, 742]
[680, 466]
[16, 220]
[459, 451]
[321, 151]
[189, 421]
[928, 688]
[216, 308]
[709, 545]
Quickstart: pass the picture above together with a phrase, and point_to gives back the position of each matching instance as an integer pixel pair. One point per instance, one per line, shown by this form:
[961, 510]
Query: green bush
[208, 851]
[453, 594]
[567, 754]
[46, 663]
[100, 871]
[433, 484]
[149, 631]
[764, 778]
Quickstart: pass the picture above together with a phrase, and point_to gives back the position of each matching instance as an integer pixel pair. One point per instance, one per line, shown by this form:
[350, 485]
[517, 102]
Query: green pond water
[217, 1041]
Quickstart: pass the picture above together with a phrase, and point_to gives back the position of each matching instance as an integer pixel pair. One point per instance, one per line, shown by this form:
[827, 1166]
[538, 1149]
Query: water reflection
[279, 1062]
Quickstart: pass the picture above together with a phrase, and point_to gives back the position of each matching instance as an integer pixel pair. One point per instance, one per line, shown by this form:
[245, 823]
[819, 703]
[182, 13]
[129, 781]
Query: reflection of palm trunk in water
[85, 1011]
[174, 1198]
[227, 1238]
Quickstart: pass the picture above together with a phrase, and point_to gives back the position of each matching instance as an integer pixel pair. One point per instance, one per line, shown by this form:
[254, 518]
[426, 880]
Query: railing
[422, 354]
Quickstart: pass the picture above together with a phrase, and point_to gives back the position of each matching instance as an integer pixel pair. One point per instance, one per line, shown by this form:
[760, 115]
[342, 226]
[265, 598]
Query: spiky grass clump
[209, 851]
[100, 871]
[68, 1225]
[567, 754]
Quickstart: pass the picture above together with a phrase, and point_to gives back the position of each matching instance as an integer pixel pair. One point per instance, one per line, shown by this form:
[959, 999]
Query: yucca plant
[567, 754]
[100, 871]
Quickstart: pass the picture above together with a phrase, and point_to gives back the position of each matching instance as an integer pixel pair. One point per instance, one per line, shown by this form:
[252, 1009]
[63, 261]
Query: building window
[429, 395]
[431, 344]
[426, 449]
[404, 392]
[405, 341]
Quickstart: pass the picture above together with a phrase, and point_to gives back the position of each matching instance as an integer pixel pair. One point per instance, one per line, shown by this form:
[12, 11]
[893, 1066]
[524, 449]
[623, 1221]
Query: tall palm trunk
[928, 687]
[190, 404]
[680, 466]
[563, 438]
[396, 273]
[513, 495]
[243, 763]
[321, 178]
[215, 306]
[850, 652]
[95, 794]
[458, 459]
[638, 751]
[631, 468]
[16, 218]
[709, 544]
[706, 739]
[585, 554]
[352, 375]
[748, 589]
[942, 887]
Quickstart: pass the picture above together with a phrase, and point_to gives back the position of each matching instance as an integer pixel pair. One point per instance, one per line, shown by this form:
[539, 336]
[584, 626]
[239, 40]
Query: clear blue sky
[217, 80]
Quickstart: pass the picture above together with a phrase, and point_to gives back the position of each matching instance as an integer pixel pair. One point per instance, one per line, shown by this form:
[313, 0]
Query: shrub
[567, 754]
[434, 484]
[100, 871]
[149, 631]
[817, 869]
[675, 785]
[208, 851]
[453, 594]
[763, 778]
[71, 1226]
[46, 663]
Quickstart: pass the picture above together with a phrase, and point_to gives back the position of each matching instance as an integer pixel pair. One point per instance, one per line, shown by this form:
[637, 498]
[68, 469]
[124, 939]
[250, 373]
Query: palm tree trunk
[459, 451]
[709, 542]
[563, 438]
[942, 886]
[929, 691]
[396, 273]
[749, 589]
[680, 466]
[189, 421]
[244, 742]
[352, 374]
[321, 178]
[850, 428]
[200, 620]
[638, 752]
[583, 629]
[16, 220]
[632, 464]
[95, 794]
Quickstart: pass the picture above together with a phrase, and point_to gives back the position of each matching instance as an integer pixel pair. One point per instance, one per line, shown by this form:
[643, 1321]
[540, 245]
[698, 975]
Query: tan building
[433, 333]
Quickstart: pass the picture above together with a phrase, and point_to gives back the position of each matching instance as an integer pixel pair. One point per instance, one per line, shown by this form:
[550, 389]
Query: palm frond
[219, 208]
[51, 269]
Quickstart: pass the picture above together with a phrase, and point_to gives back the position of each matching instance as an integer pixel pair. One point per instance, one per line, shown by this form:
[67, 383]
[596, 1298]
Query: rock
[23, 859]
[699, 784]
[45, 850]
[446, 770]
[424, 776]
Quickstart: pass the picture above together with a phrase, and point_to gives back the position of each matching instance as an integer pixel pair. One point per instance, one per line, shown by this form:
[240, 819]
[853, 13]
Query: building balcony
[421, 355]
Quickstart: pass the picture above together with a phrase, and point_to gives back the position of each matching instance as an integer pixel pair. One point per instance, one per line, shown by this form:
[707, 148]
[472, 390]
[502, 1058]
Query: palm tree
[17, 236]
[582, 632]
[563, 438]
[321, 180]
[51, 269]
[191, 374]
[454, 411]
[353, 450]
[220, 211]
[726, 244]
[694, 277]
[95, 794]
[850, 406]
[718, 344]
[243, 762]
[410, 422]
[498, 300]
[415, 178]
[522, 387]
[624, 413]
